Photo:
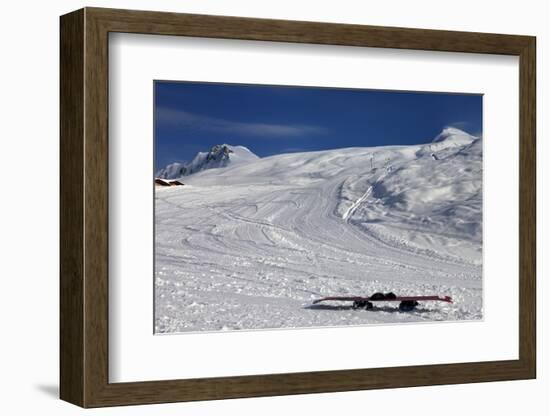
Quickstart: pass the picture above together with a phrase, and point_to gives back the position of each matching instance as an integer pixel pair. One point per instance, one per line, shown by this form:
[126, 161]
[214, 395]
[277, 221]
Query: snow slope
[219, 156]
[250, 246]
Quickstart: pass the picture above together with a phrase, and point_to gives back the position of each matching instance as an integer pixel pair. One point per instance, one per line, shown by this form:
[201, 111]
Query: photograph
[290, 207]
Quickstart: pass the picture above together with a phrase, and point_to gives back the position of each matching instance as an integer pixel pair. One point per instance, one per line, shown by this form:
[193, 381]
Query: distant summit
[219, 156]
[447, 142]
[454, 136]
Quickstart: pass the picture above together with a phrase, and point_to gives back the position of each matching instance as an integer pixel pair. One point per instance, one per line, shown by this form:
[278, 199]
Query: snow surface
[251, 245]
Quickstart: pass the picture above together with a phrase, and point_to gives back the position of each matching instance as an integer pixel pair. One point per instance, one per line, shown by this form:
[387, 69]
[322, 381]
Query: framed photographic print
[255, 207]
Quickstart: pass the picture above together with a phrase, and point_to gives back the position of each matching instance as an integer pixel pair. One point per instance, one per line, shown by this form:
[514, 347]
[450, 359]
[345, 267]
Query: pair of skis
[406, 303]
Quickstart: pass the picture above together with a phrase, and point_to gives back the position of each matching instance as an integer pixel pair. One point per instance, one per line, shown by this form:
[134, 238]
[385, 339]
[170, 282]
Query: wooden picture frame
[84, 207]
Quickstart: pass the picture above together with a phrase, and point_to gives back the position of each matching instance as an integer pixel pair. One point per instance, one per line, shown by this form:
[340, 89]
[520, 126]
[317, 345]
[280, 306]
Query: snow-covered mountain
[219, 156]
[260, 240]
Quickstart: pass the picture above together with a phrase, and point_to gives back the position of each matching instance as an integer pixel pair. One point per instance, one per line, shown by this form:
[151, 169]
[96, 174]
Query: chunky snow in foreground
[249, 246]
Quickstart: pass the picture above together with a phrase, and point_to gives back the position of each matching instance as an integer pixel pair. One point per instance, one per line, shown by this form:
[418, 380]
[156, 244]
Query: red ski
[407, 303]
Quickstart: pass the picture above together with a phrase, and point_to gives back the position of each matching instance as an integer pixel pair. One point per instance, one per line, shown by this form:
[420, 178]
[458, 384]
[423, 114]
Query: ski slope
[250, 246]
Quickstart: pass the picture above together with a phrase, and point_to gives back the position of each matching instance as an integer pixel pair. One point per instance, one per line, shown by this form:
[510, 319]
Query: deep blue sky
[192, 117]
